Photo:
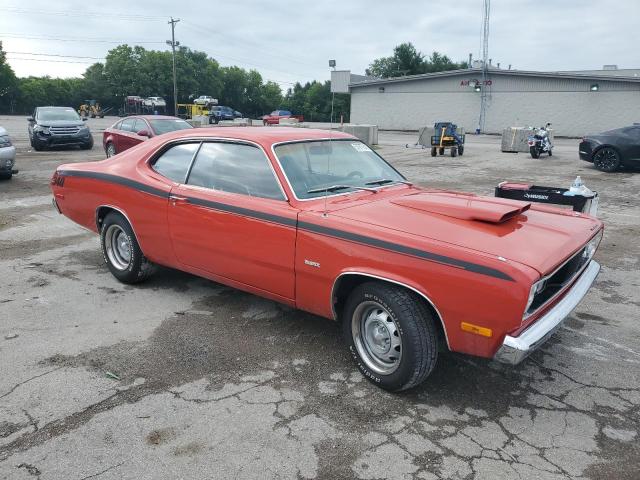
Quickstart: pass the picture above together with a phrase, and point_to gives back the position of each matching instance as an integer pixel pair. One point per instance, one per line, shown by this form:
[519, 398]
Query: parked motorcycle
[539, 142]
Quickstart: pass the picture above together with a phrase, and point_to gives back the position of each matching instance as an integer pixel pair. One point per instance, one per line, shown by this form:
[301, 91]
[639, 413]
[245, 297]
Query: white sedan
[7, 155]
[154, 102]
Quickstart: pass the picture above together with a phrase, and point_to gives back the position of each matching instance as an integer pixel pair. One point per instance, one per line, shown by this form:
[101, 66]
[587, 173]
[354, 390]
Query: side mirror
[30, 119]
[84, 119]
[143, 133]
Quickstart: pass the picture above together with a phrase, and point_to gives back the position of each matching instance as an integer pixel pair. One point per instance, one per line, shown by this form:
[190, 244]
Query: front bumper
[516, 349]
[55, 140]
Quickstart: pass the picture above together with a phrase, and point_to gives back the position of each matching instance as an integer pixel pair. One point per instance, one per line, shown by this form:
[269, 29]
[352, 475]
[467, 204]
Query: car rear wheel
[391, 335]
[121, 251]
[607, 160]
[110, 150]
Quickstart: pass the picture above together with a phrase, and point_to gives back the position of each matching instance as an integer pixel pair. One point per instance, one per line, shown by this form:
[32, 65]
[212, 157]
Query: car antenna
[332, 63]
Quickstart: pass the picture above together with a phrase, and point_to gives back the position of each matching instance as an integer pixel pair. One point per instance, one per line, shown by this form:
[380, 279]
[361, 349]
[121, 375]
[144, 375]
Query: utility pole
[486, 11]
[174, 44]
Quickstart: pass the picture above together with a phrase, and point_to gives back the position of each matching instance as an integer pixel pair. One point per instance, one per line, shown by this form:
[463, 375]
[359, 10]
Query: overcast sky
[288, 40]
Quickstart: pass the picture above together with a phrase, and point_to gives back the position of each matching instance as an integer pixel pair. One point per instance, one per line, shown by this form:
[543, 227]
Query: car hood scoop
[464, 207]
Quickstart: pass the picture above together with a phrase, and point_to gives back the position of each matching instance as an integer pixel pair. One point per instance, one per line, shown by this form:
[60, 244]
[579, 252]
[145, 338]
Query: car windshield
[168, 125]
[53, 114]
[315, 168]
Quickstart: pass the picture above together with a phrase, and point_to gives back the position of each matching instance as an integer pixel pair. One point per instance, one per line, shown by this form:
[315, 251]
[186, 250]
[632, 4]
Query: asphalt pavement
[183, 378]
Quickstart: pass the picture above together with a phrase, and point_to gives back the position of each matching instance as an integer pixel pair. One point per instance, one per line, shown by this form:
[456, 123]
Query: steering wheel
[356, 174]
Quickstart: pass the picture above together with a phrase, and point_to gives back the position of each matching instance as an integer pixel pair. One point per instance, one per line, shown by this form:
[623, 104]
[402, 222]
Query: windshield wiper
[334, 188]
[384, 181]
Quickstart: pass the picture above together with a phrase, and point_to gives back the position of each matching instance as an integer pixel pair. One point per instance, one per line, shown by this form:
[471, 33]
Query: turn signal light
[475, 329]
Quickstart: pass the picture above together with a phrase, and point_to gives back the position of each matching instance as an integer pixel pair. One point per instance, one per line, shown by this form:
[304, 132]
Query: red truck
[274, 117]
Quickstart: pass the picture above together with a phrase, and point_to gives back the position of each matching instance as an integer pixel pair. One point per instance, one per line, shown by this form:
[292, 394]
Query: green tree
[406, 60]
[8, 84]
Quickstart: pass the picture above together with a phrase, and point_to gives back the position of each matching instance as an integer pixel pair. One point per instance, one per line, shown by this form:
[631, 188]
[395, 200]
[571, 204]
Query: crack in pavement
[15, 387]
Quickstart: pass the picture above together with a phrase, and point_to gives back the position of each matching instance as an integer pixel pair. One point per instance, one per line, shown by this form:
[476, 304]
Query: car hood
[534, 235]
[61, 123]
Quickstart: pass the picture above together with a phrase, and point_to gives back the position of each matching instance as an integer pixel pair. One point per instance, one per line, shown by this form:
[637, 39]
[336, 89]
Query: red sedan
[328, 226]
[131, 131]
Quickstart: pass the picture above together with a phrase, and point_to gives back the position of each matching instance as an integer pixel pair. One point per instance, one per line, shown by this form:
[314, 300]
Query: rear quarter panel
[124, 183]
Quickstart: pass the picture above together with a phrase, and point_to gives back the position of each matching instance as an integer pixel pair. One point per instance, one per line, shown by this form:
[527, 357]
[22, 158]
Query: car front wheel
[607, 160]
[121, 251]
[391, 335]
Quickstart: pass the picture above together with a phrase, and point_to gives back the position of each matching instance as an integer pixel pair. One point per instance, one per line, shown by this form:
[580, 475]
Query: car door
[139, 125]
[232, 219]
[126, 137]
[633, 142]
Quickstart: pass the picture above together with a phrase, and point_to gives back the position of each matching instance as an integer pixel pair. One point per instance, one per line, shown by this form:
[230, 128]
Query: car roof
[51, 107]
[153, 117]
[266, 136]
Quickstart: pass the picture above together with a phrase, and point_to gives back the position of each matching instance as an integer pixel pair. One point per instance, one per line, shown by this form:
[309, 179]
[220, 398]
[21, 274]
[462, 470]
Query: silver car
[7, 155]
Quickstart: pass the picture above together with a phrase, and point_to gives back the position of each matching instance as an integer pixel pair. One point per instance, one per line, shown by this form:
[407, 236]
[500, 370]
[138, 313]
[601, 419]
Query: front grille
[64, 130]
[559, 279]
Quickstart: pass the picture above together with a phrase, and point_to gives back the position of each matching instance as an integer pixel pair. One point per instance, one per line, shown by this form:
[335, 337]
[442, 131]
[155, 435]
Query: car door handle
[175, 200]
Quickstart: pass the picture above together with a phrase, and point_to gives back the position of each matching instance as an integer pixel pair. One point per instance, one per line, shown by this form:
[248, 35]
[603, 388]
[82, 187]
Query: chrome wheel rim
[376, 337]
[118, 246]
[111, 150]
[606, 159]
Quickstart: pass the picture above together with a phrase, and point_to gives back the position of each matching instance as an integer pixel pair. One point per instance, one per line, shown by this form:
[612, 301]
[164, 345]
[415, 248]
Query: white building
[576, 103]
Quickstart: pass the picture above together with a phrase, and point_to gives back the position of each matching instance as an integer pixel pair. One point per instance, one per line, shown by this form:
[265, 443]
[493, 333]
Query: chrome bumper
[516, 349]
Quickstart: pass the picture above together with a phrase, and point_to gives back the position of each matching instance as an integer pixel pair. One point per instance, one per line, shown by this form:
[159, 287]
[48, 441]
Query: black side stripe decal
[291, 222]
[394, 247]
[116, 179]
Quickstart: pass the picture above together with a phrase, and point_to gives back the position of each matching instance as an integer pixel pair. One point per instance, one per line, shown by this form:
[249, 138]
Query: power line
[55, 55]
[84, 14]
[74, 39]
[252, 45]
[51, 61]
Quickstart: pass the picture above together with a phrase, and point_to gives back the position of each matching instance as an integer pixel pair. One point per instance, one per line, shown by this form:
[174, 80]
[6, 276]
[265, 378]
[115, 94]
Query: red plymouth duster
[318, 221]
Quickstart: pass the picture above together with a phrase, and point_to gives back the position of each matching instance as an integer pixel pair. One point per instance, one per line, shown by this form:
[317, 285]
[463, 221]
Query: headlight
[84, 129]
[41, 129]
[535, 289]
[592, 246]
[5, 141]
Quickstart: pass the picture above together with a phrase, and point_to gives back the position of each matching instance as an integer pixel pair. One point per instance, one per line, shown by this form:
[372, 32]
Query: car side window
[174, 163]
[633, 132]
[139, 125]
[118, 126]
[127, 125]
[235, 168]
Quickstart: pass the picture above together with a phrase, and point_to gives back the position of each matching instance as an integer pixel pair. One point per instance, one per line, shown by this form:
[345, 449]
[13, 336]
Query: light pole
[174, 44]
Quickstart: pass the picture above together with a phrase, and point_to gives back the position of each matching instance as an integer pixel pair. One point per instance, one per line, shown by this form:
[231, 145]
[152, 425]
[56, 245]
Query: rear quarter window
[174, 163]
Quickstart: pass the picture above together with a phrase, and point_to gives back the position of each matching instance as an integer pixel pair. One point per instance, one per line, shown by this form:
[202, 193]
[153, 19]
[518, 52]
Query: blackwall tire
[110, 150]
[391, 335]
[434, 151]
[535, 153]
[121, 251]
[606, 160]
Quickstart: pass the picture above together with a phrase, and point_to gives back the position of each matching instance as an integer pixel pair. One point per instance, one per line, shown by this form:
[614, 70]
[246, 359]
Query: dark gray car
[58, 126]
[608, 151]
